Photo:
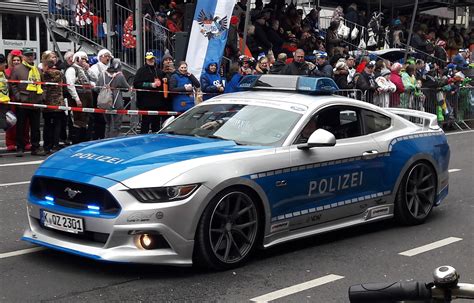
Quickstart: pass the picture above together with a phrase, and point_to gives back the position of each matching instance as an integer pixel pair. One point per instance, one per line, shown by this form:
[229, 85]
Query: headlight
[163, 194]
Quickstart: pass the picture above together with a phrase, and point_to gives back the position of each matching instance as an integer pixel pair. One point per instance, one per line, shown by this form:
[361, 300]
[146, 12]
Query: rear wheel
[227, 232]
[416, 194]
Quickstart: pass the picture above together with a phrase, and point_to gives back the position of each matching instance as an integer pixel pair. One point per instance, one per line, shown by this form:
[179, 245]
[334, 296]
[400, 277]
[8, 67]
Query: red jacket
[397, 80]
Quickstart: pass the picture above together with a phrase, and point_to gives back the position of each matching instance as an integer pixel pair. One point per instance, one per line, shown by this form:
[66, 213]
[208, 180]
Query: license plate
[61, 222]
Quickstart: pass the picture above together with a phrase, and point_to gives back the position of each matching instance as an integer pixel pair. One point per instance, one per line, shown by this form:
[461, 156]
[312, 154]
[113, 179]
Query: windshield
[244, 124]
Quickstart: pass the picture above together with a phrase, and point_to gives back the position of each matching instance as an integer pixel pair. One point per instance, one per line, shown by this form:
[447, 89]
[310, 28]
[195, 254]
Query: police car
[283, 159]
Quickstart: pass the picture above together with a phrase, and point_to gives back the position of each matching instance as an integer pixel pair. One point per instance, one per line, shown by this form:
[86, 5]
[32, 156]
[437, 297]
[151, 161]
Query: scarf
[33, 75]
[3, 89]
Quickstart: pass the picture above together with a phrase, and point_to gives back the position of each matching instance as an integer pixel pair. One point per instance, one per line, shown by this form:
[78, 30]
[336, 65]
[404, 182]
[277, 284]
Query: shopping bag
[355, 33]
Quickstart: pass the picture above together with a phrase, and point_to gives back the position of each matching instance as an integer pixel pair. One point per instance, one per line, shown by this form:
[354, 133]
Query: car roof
[260, 97]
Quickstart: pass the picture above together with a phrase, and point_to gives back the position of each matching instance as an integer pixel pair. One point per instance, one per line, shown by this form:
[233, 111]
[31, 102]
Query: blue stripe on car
[298, 203]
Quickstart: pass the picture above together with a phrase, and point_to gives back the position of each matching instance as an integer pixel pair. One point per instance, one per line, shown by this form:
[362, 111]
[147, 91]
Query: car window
[244, 124]
[375, 122]
[343, 122]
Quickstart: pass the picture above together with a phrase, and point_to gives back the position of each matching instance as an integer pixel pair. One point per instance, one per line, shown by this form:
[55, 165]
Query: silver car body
[303, 192]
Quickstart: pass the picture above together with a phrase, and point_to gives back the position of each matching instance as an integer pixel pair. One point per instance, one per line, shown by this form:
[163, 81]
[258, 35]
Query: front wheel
[227, 231]
[416, 195]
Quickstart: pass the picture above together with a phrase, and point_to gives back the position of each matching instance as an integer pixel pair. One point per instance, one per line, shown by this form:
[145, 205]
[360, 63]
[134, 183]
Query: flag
[208, 34]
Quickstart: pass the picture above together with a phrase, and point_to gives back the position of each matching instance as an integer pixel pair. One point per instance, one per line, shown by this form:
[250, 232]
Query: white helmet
[79, 55]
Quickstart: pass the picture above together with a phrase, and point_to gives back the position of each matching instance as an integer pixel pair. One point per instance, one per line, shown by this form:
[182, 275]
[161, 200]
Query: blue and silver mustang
[281, 161]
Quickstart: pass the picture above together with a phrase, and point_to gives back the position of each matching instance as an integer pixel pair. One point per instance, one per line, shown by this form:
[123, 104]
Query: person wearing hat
[323, 68]
[461, 58]
[4, 93]
[14, 58]
[113, 78]
[28, 93]
[341, 71]
[211, 81]
[97, 123]
[440, 53]
[385, 88]
[149, 82]
[396, 79]
[366, 81]
[81, 96]
[104, 56]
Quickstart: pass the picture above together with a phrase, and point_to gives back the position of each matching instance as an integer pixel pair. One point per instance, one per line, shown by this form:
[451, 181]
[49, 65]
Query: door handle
[370, 153]
[280, 183]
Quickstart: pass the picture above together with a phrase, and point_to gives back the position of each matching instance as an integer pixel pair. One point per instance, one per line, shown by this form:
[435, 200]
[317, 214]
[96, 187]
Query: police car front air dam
[237, 172]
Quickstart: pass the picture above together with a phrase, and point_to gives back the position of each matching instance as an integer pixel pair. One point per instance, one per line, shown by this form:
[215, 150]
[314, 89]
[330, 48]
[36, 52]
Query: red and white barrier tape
[99, 111]
[90, 86]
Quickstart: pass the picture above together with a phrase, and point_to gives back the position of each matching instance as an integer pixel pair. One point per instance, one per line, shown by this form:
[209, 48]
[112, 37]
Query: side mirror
[319, 138]
[168, 121]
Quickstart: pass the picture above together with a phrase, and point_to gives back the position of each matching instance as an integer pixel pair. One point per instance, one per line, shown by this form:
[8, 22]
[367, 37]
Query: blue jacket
[210, 82]
[233, 85]
[182, 99]
[460, 61]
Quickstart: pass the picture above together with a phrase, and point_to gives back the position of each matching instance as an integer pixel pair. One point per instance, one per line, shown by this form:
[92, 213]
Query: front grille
[85, 194]
[86, 235]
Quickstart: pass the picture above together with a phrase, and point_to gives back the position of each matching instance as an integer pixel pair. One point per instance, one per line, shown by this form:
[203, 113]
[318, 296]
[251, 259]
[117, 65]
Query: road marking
[428, 247]
[296, 288]
[21, 252]
[460, 132]
[15, 183]
[453, 170]
[22, 163]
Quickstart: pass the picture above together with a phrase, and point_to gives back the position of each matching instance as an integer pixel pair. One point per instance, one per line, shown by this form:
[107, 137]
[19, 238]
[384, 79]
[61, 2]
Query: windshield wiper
[222, 138]
[177, 134]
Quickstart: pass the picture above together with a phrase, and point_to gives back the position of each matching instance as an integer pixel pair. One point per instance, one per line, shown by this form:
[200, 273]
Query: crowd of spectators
[292, 43]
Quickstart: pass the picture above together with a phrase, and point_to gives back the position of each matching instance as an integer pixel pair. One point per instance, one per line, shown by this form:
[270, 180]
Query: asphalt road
[327, 264]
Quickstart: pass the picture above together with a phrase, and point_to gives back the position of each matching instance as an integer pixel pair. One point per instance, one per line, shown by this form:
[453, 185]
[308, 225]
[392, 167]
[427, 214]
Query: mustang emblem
[71, 192]
[212, 26]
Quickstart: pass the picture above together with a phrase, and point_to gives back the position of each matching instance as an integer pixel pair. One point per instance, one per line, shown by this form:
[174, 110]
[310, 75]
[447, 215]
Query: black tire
[228, 230]
[416, 194]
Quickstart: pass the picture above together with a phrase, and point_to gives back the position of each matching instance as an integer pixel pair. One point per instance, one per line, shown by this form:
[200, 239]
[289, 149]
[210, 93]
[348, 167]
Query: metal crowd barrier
[86, 18]
[156, 38]
[351, 93]
[124, 41]
[453, 108]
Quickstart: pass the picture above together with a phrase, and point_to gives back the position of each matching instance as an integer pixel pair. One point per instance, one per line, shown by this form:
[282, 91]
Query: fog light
[146, 241]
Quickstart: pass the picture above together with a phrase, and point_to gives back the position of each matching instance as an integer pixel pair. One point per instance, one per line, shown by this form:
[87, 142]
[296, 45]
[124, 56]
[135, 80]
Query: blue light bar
[317, 85]
[49, 198]
[302, 84]
[93, 207]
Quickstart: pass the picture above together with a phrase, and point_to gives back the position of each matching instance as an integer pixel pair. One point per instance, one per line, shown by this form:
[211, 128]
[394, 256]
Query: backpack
[105, 99]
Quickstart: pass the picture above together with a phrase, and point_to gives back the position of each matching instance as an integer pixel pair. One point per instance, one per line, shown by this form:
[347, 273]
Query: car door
[327, 183]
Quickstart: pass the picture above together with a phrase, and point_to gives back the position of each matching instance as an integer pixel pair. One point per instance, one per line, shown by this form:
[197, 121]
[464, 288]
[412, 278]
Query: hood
[207, 68]
[120, 159]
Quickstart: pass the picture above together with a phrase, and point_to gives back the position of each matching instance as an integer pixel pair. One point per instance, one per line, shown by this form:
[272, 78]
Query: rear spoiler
[426, 120]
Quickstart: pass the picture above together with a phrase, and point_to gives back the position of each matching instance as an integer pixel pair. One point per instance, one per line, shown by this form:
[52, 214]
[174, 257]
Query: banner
[208, 34]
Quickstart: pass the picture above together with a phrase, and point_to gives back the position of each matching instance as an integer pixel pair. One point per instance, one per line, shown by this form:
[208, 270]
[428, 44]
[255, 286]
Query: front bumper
[115, 239]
